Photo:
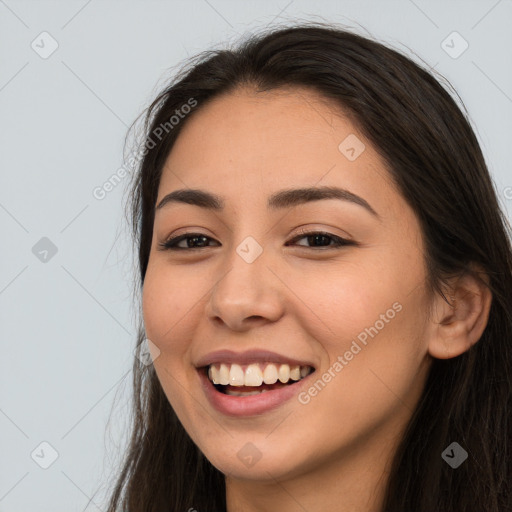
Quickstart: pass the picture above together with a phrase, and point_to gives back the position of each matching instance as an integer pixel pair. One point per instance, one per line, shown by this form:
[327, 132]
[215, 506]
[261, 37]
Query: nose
[246, 294]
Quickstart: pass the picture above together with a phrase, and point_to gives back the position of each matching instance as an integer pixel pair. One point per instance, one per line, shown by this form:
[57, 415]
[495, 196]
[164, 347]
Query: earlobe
[459, 324]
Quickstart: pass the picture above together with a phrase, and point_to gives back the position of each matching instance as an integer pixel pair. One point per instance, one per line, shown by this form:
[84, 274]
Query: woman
[326, 283]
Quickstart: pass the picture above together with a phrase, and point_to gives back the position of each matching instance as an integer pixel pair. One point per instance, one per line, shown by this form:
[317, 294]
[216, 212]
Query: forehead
[246, 144]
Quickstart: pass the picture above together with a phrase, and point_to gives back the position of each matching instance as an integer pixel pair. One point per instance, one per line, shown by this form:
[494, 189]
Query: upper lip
[247, 357]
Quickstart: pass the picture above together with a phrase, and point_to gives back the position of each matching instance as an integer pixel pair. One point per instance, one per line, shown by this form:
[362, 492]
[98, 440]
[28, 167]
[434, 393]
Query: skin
[298, 300]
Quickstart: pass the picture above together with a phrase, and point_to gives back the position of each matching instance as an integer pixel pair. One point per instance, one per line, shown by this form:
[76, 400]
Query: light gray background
[68, 323]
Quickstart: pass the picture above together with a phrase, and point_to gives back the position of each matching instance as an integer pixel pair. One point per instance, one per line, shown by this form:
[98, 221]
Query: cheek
[163, 306]
[373, 339]
[340, 303]
[167, 308]
[373, 319]
[166, 303]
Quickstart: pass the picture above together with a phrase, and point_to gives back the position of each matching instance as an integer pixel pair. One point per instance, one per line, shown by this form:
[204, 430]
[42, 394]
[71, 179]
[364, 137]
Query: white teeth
[255, 374]
[246, 393]
[295, 373]
[270, 374]
[236, 375]
[284, 373]
[224, 375]
[212, 374]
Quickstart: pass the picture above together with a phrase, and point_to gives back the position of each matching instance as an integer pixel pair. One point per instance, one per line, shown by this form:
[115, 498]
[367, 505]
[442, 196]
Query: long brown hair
[435, 159]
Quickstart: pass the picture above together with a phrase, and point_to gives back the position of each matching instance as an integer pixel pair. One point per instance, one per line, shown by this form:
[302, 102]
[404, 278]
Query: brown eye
[193, 241]
[323, 239]
[316, 239]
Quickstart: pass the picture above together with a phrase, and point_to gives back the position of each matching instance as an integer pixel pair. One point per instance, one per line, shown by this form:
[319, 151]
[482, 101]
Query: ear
[456, 326]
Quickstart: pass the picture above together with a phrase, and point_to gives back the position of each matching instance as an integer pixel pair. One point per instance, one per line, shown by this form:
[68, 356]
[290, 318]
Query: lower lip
[252, 404]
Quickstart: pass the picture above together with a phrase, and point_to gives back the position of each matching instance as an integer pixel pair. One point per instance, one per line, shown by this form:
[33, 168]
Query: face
[333, 284]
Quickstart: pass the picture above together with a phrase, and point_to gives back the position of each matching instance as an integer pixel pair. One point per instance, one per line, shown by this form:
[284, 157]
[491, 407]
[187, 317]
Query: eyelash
[171, 243]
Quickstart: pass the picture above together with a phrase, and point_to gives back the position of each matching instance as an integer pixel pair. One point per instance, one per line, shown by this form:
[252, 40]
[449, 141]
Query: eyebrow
[282, 199]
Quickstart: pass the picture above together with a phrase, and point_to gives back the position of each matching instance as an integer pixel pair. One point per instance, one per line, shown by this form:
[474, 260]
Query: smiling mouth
[256, 378]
